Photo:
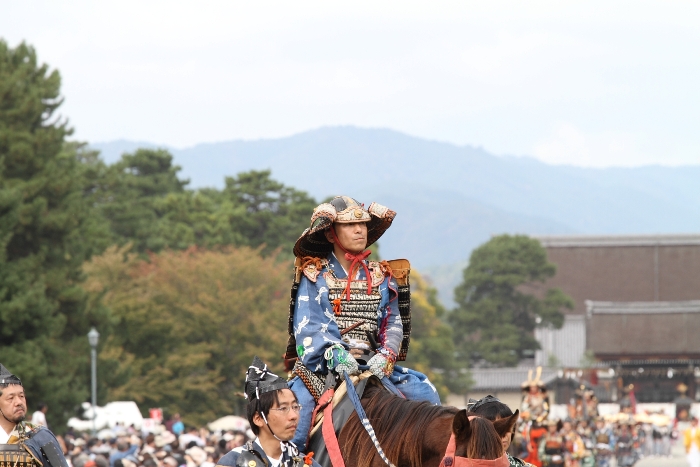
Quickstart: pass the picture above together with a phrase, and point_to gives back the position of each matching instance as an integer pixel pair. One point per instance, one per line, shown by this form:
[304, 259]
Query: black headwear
[8, 378]
[260, 380]
[473, 404]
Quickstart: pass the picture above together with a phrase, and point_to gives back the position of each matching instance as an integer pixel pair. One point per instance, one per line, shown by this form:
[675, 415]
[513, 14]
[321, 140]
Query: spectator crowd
[583, 443]
[172, 445]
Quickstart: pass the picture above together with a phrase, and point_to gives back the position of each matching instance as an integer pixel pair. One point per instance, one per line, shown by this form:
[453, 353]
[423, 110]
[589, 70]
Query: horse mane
[401, 427]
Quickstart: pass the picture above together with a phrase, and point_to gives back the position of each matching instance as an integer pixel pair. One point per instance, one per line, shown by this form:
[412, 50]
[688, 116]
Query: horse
[416, 434]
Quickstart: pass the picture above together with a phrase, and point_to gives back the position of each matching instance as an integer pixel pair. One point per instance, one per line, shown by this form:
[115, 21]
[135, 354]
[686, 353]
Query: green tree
[431, 349]
[131, 196]
[186, 324]
[273, 215]
[495, 317]
[46, 232]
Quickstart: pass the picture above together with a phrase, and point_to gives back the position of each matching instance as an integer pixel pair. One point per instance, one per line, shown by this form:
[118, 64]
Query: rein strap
[352, 394]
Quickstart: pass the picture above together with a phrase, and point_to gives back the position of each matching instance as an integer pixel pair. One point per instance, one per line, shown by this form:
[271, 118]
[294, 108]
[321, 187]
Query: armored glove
[342, 361]
[382, 364]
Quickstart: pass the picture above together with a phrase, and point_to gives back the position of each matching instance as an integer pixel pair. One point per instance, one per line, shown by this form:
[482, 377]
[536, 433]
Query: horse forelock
[409, 432]
[480, 441]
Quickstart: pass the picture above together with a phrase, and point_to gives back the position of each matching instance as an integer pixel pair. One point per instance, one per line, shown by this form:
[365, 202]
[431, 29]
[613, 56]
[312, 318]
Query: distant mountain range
[450, 198]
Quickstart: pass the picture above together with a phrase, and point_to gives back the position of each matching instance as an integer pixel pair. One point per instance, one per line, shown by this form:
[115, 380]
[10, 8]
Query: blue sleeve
[390, 324]
[315, 328]
[40, 438]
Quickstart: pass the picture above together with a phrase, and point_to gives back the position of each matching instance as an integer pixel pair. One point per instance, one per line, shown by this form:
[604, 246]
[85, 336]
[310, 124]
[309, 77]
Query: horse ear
[460, 425]
[505, 425]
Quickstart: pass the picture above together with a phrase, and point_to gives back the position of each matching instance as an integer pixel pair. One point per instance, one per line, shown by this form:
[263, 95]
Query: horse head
[479, 438]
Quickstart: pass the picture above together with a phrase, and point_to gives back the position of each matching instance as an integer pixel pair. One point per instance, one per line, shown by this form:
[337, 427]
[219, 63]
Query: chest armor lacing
[15, 455]
[362, 307]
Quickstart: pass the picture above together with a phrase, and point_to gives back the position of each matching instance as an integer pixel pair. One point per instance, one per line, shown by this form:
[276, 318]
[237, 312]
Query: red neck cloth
[357, 259]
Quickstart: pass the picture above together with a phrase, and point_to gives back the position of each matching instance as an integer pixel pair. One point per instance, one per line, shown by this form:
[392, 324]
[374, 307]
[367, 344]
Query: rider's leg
[414, 385]
[307, 403]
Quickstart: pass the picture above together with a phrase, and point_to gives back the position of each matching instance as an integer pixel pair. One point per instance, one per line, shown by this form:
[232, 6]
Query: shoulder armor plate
[309, 266]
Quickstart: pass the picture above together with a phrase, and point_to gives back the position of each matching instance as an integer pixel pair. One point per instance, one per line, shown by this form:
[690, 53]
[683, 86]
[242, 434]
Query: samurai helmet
[536, 381]
[8, 378]
[344, 210]
[260, 380]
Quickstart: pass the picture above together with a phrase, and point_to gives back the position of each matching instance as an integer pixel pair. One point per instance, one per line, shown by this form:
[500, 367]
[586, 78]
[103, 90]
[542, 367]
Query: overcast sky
[585, 83]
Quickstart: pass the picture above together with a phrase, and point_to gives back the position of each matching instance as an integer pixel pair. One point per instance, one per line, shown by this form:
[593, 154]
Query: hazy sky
[586, 83]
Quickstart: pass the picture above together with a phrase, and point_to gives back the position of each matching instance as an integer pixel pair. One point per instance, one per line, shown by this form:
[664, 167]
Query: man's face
[282, 423]
[352, 236]
[13, 404]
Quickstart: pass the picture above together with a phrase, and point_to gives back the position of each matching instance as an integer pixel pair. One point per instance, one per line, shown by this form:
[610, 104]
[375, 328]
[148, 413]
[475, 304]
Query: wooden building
[636, 315]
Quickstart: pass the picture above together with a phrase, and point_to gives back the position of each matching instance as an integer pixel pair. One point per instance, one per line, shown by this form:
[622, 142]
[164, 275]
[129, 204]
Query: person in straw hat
[346, 310]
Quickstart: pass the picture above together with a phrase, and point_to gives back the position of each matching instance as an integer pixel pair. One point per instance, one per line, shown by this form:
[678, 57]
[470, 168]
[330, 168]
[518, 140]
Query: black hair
[40, 406]
[10, 382]
[492, 409]
[263, 406]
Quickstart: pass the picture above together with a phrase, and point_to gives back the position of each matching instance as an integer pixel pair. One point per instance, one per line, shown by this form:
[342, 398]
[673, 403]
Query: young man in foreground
[273, 413]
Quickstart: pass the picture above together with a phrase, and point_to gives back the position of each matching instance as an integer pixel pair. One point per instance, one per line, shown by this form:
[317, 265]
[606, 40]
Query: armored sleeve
[390, 325]
[315, 327]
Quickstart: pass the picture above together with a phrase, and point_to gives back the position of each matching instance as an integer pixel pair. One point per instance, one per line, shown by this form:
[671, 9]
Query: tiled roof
[643, 329]
[564, 241]
[641, 308]
[506, 378]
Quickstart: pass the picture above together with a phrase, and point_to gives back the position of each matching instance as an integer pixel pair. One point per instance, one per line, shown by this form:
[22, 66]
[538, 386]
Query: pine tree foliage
[46, 233]
[495, 318]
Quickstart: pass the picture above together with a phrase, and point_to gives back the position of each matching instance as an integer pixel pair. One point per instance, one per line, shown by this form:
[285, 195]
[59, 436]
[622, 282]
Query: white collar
[282, 446]
[5, 436]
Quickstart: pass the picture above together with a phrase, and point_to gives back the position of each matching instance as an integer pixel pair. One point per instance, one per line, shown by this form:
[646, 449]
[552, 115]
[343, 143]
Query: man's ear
[329, 235]
[258, 420]
[505, 425]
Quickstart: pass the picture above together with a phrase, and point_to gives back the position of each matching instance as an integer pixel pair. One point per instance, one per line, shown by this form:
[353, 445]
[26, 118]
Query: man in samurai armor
[346, 311]
[577, 454]
[535, 403]
[23, 444]
[585, 405]
[273, 413]
[552, 449]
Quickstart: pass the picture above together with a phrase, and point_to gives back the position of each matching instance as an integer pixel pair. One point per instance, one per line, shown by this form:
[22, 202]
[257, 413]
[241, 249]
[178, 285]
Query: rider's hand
[380, 365]
[349, 365]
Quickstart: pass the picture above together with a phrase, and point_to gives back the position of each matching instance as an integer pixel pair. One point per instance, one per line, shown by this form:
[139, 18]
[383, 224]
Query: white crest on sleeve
[329, 315]
[301, 325]
[320, 291]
